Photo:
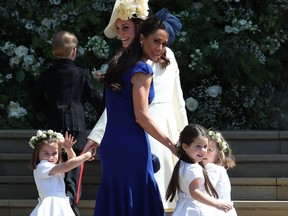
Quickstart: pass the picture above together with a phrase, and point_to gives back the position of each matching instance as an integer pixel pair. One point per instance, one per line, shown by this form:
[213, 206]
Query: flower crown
[217, 137]
[136, 8]
[40, 135]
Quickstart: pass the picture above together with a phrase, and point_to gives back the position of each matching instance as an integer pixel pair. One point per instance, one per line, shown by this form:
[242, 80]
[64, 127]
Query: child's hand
[69, 141]
[88, 153]
[224, 205]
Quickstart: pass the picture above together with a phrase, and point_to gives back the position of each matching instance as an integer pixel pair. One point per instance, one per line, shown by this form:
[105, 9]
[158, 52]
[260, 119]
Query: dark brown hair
[127, 58]
[188, 135]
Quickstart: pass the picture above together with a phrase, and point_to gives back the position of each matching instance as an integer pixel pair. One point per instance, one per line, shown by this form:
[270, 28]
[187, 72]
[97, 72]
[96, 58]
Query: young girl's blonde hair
[224, 155]
[63, 43]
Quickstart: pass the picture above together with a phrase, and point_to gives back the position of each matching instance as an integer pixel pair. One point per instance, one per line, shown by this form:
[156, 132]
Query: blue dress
[127, 187]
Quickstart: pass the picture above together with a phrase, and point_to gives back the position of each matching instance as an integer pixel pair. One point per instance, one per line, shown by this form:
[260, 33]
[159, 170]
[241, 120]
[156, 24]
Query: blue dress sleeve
[142, 67]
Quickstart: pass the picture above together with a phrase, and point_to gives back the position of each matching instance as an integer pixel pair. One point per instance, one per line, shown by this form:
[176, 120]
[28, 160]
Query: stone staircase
[259, 181]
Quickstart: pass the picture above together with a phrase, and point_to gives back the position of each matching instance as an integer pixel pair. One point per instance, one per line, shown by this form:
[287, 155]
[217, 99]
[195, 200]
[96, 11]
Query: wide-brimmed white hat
[125, 10]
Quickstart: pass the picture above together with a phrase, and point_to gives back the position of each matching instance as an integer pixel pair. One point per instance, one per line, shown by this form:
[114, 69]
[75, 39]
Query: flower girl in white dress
[48, 171]
[217, 161]
[196, 195]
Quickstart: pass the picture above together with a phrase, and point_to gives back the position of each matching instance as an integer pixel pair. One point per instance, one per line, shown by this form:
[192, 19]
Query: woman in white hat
[168, 107]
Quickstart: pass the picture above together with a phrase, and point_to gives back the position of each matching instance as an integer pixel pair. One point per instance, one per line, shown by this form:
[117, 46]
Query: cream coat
[168, 111]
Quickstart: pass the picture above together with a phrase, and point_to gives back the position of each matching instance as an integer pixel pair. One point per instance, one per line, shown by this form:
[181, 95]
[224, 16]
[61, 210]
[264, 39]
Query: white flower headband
[40, 135]
[217, 137]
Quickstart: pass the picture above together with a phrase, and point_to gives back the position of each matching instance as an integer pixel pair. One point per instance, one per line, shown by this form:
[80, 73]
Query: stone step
[259, 188]
[242, 141]
[21, 207]
[257, 183]
[13, 164]
[25, 206]
[17, 164]
[16, 141]
[243, 208]
[260, 166]
[23, 187]
[257, 141]
[261, 208]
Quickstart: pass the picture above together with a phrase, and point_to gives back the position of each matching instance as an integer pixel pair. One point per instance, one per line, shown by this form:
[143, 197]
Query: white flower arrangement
[49, 134]
[128, 9]
[217, 137]
[98, 46]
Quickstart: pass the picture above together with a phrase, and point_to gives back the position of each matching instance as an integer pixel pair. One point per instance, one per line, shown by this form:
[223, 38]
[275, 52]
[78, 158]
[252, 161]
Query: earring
[141, 43]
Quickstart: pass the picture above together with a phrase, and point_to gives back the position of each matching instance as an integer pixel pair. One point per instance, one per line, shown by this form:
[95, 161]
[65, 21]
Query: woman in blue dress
[128, 187]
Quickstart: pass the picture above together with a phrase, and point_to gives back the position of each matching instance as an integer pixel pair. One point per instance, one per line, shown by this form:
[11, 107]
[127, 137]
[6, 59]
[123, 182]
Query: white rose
[29, 59]
[39, 133]
[60, 137]
[21, 112]
[191, 104]
[21, 51]
[8, 48]
[12, 109]
[14, 61]
[50, 132]
[213, 91]
[9, 76]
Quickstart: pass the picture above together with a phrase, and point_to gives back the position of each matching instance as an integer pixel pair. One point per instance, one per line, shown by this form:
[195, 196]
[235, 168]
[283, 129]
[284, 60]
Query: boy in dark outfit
[65, 84]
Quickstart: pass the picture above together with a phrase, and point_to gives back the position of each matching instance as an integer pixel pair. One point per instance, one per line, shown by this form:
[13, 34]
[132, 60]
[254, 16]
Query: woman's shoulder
[142, 66]
[169, 53]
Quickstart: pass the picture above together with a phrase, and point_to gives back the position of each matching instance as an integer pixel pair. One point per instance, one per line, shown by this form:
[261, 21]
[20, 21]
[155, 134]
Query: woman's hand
[172, 146]
[92, 147]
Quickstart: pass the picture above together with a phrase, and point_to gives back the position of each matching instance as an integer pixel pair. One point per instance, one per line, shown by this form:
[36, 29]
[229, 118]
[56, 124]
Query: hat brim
[110, 30]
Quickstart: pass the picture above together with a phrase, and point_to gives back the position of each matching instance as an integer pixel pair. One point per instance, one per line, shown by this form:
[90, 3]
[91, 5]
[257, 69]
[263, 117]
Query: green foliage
[234, 50]
[242, 44]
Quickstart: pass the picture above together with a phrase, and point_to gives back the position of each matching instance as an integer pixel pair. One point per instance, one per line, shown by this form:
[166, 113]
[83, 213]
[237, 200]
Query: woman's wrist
[91, 142]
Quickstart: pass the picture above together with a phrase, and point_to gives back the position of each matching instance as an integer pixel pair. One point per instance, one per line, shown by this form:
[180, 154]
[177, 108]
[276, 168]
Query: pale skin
[50, 153]
[125, 31]
[153, 47]
[196, 151]
[211, 154]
